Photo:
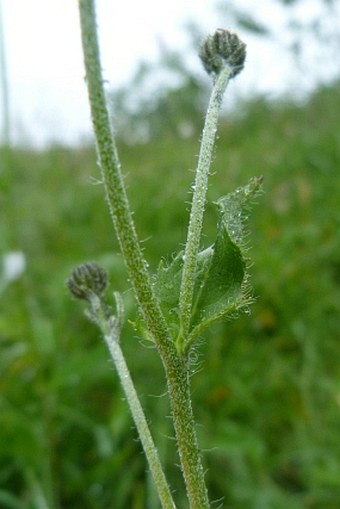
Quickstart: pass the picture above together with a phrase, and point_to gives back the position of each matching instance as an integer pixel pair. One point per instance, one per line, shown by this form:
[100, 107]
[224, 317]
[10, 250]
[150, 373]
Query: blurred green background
[266, 387]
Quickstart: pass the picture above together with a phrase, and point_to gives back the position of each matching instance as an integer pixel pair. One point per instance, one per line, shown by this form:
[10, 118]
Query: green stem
[198, 202]
[111, 335]
[180, 397]
[175, 365]
[112, 176]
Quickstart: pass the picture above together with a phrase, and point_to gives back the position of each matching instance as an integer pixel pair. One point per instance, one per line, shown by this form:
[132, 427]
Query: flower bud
[223, 48]
[87, 279]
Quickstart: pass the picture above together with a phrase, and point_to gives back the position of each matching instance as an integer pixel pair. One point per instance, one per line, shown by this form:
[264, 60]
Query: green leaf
[220, 285]
[167, 288]
[221, 288]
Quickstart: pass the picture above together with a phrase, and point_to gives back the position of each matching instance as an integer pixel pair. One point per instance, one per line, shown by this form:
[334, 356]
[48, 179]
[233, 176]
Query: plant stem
[112, 176]
[141, 424]
[198, 202]
[111, 336]
[180, 397]
[183, 417]
[174, 363]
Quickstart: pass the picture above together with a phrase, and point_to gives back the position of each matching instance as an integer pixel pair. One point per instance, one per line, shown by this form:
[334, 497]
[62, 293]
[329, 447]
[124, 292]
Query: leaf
[167, 288]
[221, 284]
[221, 289]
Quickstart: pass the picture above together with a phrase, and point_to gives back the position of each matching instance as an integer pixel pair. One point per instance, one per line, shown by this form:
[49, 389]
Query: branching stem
[175, 364]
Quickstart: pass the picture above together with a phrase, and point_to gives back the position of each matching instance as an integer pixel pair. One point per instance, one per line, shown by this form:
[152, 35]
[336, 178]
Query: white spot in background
[13, 265]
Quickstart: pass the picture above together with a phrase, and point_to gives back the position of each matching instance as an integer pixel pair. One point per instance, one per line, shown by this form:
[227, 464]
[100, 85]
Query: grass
[266, 391]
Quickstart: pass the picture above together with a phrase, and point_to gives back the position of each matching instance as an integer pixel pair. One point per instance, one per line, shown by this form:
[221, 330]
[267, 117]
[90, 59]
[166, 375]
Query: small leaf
[167, 288]
[221, 288]
[235, 207]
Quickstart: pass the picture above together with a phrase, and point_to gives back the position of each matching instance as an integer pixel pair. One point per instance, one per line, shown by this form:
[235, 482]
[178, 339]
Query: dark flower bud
[86, 280]
[220, 49]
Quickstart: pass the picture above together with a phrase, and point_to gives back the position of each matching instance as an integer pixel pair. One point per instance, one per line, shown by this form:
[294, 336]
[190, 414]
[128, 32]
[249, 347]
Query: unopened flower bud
[223, 48]
[86, 280]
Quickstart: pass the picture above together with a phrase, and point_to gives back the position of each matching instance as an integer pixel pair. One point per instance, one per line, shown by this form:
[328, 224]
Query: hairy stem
[191, 463]
[111, 336]
[112, 176]
[198, 202]
[175, 365]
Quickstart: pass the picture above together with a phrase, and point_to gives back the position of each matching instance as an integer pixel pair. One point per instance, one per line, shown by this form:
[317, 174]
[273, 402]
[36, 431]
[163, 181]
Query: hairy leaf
[221, 288]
